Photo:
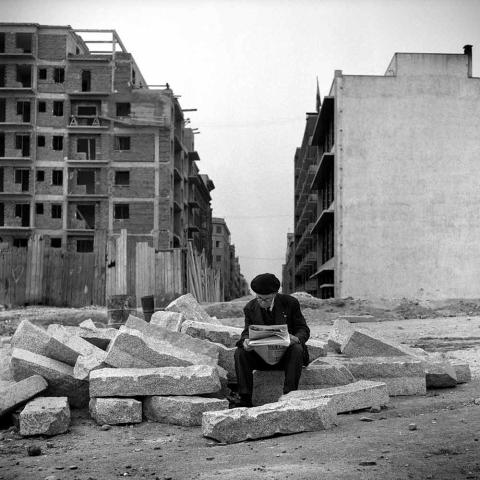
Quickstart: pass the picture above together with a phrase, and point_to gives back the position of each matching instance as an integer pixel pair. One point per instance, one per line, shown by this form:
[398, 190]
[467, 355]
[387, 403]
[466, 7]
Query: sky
[249, 67]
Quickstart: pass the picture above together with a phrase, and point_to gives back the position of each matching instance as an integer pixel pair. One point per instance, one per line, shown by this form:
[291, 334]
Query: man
[271, 308]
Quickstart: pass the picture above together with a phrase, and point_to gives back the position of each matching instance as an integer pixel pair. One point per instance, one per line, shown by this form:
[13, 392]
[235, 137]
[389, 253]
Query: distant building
[288, 268]
[386, 183]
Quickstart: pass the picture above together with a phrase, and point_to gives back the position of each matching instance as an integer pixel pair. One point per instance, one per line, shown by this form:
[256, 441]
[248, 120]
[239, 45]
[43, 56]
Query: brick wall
[10, 150]
[9, 185]
[101, 215]
[101, 145]
[100, 183]
[11, 109]
[101, 77]
[142, 148]
[142, 183]
[140, 221]
[45, 187]
[48, 85]
[122, 76]
[47, 152]
[45, 220]
[52, 47]
[10, 220]
[47, 119]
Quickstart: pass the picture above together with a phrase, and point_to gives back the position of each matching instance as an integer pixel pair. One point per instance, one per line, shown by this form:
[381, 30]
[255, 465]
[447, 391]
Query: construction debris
[115, 411]
[191, 309]
[45, 416]
[20, 392]
[227, 336]
[180, 410]
[239, 424]
[170, 320]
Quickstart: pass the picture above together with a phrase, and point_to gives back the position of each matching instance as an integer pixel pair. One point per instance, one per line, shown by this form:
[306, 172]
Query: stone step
[115, 411]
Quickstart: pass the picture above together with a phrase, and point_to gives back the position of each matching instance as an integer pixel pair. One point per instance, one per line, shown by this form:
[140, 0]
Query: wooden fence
[118, 266]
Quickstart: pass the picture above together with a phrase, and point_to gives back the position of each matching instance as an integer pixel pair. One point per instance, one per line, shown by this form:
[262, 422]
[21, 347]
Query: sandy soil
[446, 444]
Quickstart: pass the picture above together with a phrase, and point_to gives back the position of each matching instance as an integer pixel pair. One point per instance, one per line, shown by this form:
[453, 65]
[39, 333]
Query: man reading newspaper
[274, 337]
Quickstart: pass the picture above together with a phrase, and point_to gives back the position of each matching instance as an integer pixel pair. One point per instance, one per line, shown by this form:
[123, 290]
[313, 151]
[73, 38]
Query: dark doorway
[86, 80]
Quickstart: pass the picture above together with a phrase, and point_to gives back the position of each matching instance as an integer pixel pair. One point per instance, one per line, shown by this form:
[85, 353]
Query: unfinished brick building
[87, 145]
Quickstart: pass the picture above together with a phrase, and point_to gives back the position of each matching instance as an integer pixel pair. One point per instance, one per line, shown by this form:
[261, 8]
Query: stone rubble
[170, 320]
[20, 392]
[227, 336]
[115, 411]
[191, 309]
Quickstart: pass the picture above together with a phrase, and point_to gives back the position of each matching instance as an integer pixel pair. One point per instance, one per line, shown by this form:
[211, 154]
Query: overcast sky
[250, 68]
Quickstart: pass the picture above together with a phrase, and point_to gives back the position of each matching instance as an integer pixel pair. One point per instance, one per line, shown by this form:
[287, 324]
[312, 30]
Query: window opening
[40, 175]
[87, 146]
[122, 143]
[22, 176]
[20, 242]
[3, 109]
[121, 211]
[123, 109]
[22, 142]
[42, 107]
[39, 208]
[87, 110]
[87, 178]
[2, 42]
[86, 81]
[41, 141]
[84, 246]
[87, 214]
[57, 143]
[2, 75]
[42, 73]
[122, 177]
[22, 210]
[58, 109]
[1, 179]
[56, 210]
[2, 215]
[23, 109]
[24, 75]
[2, 144]
[57, 177]
[59, 75]
[56, 242]
[23, 41]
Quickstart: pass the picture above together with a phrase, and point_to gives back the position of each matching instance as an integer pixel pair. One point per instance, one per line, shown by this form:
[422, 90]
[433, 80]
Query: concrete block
[204, 351]
[45, 416]
[88, 323]
[58, 375]
[170, 320]
[403, 375]
[361, 343]
[439, 373]
[227, 336]
[36, 340]
[115, 411]
[20, 392]
[268, 385]
[131, 382]
[239, 424]
[85, 364]
[462, 371]
[316, 348]
[180, 410]
[346, 398]
[191, 309]
[98, 337]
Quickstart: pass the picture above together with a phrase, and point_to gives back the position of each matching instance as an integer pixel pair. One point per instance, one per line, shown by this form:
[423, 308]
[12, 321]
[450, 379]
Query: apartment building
[390, 165]
[238, 284]
[288, 268]
[87, 145]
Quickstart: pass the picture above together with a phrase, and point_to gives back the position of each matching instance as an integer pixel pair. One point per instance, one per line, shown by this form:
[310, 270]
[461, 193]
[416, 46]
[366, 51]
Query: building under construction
[87, 145]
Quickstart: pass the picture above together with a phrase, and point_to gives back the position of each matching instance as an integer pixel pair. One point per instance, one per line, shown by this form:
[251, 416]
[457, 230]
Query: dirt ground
[445, 445]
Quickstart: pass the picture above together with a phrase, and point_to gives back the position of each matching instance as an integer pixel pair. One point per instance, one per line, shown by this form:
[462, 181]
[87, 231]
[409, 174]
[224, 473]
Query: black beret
[265, 283]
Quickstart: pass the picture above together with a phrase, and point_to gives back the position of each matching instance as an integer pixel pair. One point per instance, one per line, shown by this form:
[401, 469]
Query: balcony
[307, 212]
[88, 122]
[325, 217]
[326, 162]
[16, 161]
[306, 263]
[328, 266]
[302, 243]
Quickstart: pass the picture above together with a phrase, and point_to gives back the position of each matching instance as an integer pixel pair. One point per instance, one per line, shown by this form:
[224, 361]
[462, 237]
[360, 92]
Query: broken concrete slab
[227, 336]
[403, 375]
[346, 398]
[170, 320]
[180, 410]
[115, 411]
[206, 353]
[45, 416]
[98, 337]
[239, 424]
[85, 364]
[132, 349]
[131, 382]
[36, 340]
[226, 360]
[20, 392]
[191, 309]
[316, 348]
[361, 343]
[58, 375]
[268, 385]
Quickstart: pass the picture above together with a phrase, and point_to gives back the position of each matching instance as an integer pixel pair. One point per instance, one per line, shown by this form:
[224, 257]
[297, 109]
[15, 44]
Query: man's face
[265, 300]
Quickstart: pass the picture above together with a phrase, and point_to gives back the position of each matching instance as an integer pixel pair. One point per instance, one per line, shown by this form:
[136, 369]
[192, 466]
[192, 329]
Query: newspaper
[269, 341]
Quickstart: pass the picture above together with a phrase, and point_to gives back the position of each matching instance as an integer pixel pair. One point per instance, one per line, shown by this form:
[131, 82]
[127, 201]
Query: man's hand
[293, 339]
[246, 345]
